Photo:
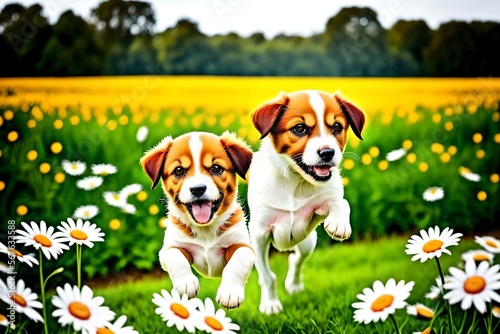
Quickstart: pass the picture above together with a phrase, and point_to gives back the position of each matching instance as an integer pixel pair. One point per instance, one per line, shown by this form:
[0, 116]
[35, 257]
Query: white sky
[272, 17]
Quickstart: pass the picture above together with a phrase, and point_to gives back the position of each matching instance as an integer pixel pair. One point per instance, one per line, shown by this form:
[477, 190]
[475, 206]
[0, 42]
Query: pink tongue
[322, 170]
[202, 211]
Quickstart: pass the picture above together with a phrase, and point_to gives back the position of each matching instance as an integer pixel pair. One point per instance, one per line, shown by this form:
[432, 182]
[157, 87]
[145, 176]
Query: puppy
[294, 181]
[206, 227]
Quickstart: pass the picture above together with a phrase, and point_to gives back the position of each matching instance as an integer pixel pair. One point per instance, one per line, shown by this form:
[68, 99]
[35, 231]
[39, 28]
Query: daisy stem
[489, 320]
[42, 292]
[473, 325]
[79, 264]
[448, 309]
[395, 322]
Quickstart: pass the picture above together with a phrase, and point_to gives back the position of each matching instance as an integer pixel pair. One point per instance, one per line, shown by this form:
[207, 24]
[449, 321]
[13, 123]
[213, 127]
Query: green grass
[333, 277]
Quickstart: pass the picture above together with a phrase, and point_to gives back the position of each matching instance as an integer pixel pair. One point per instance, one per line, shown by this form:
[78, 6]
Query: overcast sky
[298, 17]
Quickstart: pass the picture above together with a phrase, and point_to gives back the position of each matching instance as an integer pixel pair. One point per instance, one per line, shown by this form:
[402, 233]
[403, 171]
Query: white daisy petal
[74, 168]
[23, 300]
[104, 169]
[176, 311]
[80, 234]
[432, 244]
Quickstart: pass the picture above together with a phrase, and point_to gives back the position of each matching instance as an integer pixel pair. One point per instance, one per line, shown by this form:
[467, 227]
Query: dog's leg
[337, 222]
[177, 262]
[269, 302]
[240, 260]
[296, 259]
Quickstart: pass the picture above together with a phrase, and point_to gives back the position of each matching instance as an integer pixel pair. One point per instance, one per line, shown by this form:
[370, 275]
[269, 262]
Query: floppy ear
[269, 113]
[239, 153]
[354, 115]
[153, 160]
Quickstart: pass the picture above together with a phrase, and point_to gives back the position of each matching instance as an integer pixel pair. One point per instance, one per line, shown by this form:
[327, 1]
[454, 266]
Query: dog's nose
[198, 190]
[326, 154]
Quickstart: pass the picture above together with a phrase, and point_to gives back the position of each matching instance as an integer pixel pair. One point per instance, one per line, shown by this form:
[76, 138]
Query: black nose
[198, 190]
[326, 154]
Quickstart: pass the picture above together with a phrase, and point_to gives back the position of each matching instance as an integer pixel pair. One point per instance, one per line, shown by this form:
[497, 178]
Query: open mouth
[320, 172]
[203, 210]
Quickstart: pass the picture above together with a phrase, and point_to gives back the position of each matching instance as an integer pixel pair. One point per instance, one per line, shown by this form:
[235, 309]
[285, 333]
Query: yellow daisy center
[2, 318]
[382, 303]
[179, 310]
[78, 234]
[91, 184]
[86, 213]
[433, 191]
[15, 251]
[213, 323]
[19, 300]
[425, 313]
[116, 197]
[427, 331]
[104, 331]
[481, 257]
[103, 173]
[474, 284]
[42, 240]
[492, 244]
[432, 245]
[79, 310]
[74, 167]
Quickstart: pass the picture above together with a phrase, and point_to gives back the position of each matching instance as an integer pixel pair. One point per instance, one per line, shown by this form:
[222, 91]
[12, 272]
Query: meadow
[444, 129]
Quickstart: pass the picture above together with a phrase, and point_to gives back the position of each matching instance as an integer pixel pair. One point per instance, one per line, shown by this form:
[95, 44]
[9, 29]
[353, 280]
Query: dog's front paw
[230, 295]
[188, 285]
[270, 306]
[338, 229]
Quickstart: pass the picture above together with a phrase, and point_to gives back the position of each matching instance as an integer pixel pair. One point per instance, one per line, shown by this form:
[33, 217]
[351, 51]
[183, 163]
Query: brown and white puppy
[206, 227]
[294, 181]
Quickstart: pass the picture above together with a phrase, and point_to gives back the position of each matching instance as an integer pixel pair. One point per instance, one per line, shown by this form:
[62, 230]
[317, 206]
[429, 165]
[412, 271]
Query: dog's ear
[153, 160]
[354, 115]
[238, 151]
[269, 113]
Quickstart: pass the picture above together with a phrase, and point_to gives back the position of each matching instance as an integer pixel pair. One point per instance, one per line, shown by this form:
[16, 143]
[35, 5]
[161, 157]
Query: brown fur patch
[186, 254]
[186, 229]
[235, 218]
[231, 249]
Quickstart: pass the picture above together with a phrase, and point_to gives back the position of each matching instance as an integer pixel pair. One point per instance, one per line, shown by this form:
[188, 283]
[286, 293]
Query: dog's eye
[216, 170]
[337, 128]
[179, 171]
[300, 130]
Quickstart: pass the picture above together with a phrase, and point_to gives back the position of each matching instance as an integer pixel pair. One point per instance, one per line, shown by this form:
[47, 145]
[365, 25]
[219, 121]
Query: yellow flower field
[221, 94]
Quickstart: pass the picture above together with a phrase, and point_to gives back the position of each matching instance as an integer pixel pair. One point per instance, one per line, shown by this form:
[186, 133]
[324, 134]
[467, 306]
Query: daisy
[3, 320]
[475, 285]
[478, 256]
[117, 327]
[425, 331]
[86, 212]
[433, 194]
[80, 232]
[381, 301]
[142, 134]
[131, 189]
[437, 290]
[489, 243]
[80, 308]
[431, 244]
[114, 199]
[395, 154]
[129, 208]
[420, 310]
[74, 167]
[5, 268]
[104, 169]
[496, 311]
[42, 238]
[25, 258]
[25, 301]
[214, 322]
[176, 311]
[89, 182]
[469, 175]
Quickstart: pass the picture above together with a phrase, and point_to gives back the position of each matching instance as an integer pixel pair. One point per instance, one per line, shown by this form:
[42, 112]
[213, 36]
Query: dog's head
[309, 130]
[198, 172]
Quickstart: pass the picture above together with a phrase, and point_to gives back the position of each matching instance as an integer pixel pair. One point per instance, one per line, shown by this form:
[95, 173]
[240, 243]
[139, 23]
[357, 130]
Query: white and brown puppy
[206, 227]
[294, 181]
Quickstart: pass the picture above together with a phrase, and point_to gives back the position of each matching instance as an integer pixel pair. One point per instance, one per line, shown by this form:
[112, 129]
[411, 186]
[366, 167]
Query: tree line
[119, 39]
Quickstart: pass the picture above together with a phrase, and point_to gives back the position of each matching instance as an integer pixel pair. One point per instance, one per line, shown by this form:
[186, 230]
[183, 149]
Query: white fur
[286, 206]
[207, 246]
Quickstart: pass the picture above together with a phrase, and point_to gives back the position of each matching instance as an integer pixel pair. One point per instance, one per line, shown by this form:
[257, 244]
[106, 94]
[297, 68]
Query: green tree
[72, 49]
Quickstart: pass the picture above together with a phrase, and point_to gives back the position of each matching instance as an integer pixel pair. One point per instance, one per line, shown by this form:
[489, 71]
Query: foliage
[354, 43]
